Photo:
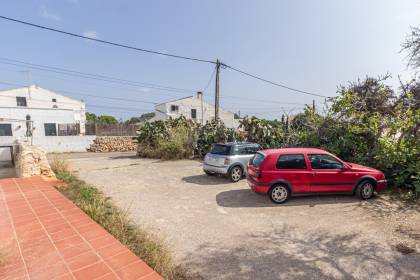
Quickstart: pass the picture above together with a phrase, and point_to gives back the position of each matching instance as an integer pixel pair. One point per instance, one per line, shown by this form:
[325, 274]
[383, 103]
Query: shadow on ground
[7, 170]
[247, 198]
[128, 156]
[287, 254]
[206, 180]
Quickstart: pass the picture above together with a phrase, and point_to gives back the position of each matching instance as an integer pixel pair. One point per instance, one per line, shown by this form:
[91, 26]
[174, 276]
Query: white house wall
[39, 98]
[163, 111]
[41, 109]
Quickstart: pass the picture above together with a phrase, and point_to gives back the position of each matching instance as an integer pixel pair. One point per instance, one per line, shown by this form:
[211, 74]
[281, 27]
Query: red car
[282, 173]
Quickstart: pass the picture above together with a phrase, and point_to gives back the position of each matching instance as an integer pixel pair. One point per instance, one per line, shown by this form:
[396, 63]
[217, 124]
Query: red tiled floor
[47, 237]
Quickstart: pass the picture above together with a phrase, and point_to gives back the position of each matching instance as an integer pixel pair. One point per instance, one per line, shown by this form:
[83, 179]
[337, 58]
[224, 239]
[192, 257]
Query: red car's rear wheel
[279, 194]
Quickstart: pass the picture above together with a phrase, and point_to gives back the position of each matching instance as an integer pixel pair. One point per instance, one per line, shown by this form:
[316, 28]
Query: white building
[56, 121]
[194, 108]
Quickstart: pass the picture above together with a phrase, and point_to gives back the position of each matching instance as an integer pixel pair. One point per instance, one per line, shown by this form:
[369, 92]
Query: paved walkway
[45, 236]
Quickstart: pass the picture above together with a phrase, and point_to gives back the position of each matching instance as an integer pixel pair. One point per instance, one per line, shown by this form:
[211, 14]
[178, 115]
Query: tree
[104, 119]
[364, 110]
[146, 116]
[133, 120]
[412, 46]
[91, 117]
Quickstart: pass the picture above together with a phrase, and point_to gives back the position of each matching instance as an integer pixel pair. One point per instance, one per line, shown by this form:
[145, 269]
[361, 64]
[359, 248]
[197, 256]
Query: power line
[262, 100]
[210, 80]
[87, 94]
[92, 76]
[161, 53]
[273, 83]
[112, 107]
[89, 75]
[105, 42]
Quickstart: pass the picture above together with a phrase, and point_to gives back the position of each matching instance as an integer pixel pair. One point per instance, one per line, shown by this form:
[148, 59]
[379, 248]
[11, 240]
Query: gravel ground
[225, 231]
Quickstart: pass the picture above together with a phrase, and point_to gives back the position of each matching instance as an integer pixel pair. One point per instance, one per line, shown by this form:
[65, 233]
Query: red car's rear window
[257, 159]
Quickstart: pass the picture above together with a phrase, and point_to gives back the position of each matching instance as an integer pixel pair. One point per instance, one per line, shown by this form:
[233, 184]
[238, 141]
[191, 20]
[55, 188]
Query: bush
[214, 132]
[181, 138]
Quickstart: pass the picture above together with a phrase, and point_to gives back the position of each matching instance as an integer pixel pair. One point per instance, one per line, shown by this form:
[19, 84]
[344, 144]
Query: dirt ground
[224, 230]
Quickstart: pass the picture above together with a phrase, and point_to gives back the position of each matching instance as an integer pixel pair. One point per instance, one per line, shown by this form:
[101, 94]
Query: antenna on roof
[29, 81]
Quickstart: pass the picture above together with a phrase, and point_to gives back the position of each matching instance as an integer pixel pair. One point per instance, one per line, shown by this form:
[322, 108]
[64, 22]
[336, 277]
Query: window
[55, 106]
[324, 162]
[54, 100]
[174, 108]
[291, 162]
[218, 149]
[50, 129]
[6, 129]
[252, 149]
[67, 129]
[240, 150]
[257, 160]
[193, 113]
[246, 149]
[21, 101]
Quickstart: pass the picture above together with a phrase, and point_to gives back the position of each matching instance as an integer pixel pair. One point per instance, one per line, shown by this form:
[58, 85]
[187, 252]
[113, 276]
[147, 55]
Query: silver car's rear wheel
[235, 174]
[279, 194]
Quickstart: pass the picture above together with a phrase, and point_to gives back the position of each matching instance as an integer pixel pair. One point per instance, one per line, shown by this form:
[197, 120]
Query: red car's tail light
[257, 173]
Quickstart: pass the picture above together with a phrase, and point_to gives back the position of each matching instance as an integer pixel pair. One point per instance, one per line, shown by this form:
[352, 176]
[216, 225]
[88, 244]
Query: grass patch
[141, 241]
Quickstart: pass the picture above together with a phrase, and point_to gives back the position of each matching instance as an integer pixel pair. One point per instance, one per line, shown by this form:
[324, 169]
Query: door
[329, 174]
[293, 169]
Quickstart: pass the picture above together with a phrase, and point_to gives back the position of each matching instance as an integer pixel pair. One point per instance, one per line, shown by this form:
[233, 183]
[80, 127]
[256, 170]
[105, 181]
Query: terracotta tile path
[43, 235]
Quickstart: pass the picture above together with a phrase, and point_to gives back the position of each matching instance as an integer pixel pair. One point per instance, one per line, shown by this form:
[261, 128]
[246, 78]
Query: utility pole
[29, 81]
[313, 105]
[217, 92]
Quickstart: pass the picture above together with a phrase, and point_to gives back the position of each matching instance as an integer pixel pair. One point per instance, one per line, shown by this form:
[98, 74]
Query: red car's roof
[294, 150]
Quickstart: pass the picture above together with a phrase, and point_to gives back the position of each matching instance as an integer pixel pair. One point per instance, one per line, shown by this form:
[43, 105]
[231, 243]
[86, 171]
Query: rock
[31, 160]
[112, 144]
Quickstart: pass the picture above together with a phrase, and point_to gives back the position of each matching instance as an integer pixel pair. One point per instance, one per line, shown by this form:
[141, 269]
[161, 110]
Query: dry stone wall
[32, 161]
[112, 144]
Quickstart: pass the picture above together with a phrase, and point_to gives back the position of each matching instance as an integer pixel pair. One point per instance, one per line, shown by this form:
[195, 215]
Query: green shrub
[181, 138]
[214, 132]
[171, 139]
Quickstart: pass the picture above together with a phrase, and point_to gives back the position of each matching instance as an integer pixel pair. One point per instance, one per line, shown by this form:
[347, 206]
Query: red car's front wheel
[365, 190]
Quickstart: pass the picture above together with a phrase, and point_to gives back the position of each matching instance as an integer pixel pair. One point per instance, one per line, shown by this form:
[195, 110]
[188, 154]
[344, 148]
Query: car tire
[365, 189]
[208, 173]
[279, 193]
[236, 173]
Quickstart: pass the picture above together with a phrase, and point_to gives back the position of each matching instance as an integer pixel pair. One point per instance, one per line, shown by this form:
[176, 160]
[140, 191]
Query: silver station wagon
[230, 159]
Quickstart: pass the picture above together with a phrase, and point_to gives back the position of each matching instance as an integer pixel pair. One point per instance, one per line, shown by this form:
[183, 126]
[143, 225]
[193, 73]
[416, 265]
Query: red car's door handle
[314, 174]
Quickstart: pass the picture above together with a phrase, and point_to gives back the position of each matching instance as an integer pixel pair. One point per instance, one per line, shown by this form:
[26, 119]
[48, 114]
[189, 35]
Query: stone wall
[32, 161]
[112, 144]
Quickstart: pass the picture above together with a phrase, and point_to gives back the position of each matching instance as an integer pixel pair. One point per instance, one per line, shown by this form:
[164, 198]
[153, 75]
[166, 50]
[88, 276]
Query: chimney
[199, 95]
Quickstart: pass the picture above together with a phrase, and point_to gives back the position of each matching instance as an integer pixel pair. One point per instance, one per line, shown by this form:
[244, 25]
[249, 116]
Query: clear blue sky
[310, 45]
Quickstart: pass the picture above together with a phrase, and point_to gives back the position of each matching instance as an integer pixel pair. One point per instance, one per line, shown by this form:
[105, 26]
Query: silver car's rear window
[217, 149]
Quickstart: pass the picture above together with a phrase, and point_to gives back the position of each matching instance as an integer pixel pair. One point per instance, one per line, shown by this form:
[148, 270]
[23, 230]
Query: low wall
[31, 161]
[5, 152]
[113, 144]
[64, 144]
